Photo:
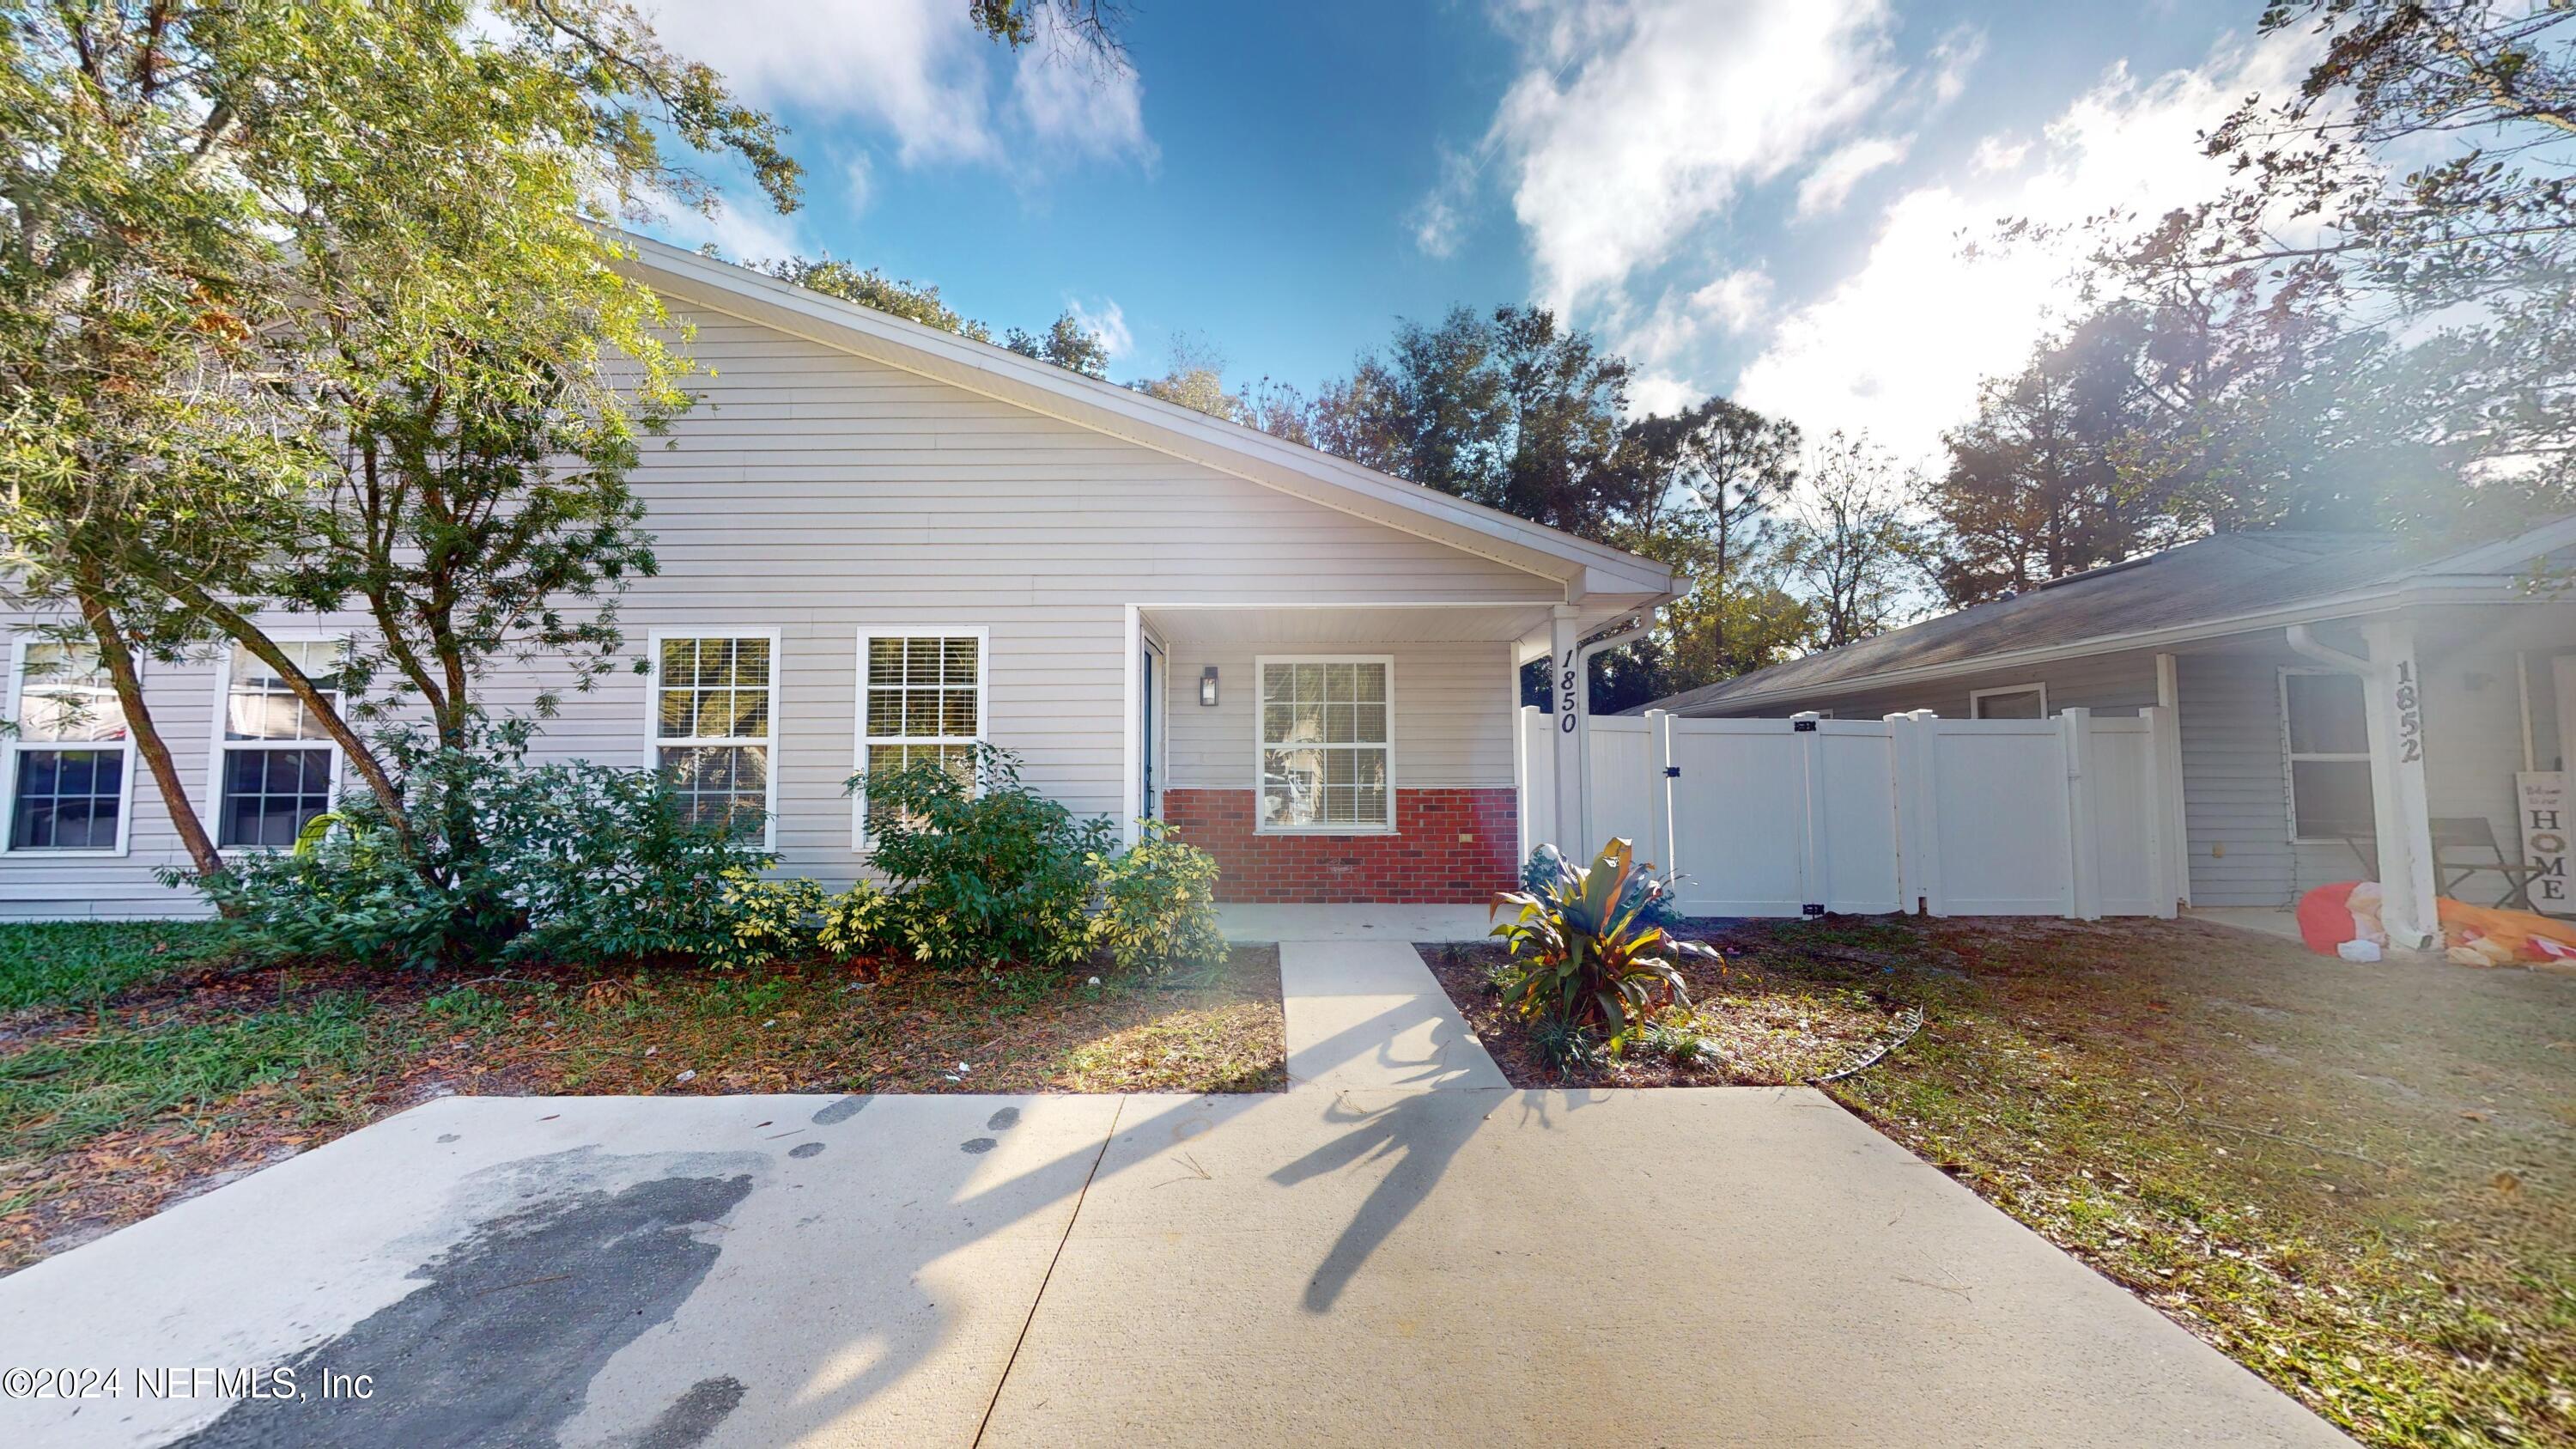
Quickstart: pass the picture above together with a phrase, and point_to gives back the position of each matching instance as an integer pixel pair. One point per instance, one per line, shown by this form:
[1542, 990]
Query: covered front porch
[2409, 746]
[1336, 754]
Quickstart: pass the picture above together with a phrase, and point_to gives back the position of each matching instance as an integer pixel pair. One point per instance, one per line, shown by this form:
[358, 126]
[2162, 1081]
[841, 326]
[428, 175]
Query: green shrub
[984, 870]
[1564, 1045]
[1674, 1035]
[1158, 904]
[1588, 959]
[764, 920]
[857, 921]
[568, 862]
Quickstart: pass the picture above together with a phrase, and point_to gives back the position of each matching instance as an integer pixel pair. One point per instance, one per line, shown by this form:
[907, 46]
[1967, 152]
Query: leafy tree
[1066, 343]
[1716, 473]
[1195, 379]
[2035, 488]
[2417, 176]
[1510, 409]
[1851, 545]
[305, 303]
[912, 301]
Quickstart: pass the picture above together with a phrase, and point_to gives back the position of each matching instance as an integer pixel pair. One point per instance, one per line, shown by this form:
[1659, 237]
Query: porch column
[1565, 666]
[2401, 815]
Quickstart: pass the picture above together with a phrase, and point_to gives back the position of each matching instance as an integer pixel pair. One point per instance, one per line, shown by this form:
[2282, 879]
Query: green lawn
[80, 963]
[131, 1074]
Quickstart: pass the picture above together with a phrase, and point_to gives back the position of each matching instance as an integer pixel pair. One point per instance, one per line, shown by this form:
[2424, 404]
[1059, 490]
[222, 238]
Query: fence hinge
[1672, 772]
[1803, 726]
[1811, 909]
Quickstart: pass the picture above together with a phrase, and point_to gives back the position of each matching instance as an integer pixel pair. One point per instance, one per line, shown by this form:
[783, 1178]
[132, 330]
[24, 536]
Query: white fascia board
[1040, 387]
[2380, 600]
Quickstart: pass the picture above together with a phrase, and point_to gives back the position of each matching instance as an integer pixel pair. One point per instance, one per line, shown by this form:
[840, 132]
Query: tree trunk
[251, 637]
[119, 662]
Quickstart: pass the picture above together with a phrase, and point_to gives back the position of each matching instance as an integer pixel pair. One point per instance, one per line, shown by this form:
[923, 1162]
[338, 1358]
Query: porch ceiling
[1344, 623]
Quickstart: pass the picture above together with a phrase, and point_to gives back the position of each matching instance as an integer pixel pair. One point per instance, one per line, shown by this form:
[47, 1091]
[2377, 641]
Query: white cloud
[1442, 214]
[1830, 184]
[1108, 322]
[913, 68]
[1994, 153]
[1633, 125]
[858, 183]
[1656, 392]
[745, 233]
[1733, 305]
[1951, 61]
[1897, 348]
[1081, 106]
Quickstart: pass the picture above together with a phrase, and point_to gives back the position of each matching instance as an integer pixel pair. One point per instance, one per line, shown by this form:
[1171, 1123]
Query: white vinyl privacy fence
[2072, 816]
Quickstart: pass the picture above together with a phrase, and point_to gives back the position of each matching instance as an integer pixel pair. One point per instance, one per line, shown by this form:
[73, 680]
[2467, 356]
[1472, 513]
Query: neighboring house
[2304, 670]
[879, 540]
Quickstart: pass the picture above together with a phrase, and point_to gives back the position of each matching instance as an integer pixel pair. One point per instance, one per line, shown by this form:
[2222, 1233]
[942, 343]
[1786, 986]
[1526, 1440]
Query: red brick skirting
[1450, 847]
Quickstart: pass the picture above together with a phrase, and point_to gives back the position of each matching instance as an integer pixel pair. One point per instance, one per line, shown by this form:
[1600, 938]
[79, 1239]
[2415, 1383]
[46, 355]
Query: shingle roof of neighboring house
[2207, 582]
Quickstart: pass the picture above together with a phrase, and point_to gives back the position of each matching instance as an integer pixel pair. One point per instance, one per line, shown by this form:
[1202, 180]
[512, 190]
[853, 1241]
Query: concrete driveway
[1472, 1266]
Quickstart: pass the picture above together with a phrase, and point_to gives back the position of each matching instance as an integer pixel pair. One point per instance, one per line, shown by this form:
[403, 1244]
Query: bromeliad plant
[1587, 952]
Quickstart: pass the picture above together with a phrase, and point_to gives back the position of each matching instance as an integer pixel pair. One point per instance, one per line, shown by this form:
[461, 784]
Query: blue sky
[1765, 198]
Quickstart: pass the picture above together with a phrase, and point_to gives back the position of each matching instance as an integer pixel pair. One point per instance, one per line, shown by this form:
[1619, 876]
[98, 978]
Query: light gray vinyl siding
[38, 884]
[2235, 770]
[1453, 713]
[822, 496]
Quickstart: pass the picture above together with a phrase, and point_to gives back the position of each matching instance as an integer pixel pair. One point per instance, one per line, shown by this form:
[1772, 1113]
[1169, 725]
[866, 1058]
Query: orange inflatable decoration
[2471, 935]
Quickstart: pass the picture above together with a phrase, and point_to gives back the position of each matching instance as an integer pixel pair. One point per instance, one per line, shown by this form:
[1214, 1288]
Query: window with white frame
[921, 698]
[275, 767]
[1326, 753]
[2011, 701]
[715, 718]
[2328, 745]
[71, 764]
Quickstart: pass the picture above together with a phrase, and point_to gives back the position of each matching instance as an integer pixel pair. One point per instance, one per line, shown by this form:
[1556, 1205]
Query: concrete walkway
[1452, 1267]
[1370, 1014]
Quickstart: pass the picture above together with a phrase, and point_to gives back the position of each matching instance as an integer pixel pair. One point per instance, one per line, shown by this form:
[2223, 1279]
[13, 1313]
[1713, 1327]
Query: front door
[1151, 676]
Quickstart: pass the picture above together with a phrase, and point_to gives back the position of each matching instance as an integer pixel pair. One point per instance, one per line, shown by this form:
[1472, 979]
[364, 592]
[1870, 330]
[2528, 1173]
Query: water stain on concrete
[840, 1111]
[974, 1146]
[693, 1416]
[806, 1149]
[1003, 1121]
[500, 1344]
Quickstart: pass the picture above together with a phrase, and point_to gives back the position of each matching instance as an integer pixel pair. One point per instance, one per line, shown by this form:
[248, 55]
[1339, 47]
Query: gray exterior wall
[822, 496]
[1454, 707]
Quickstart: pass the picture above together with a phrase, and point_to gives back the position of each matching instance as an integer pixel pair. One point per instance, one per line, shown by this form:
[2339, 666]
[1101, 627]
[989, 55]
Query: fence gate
[1784, 817]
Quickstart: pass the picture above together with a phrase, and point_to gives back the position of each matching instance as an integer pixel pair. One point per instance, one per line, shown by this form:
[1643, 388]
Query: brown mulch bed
[1767, 1019]
[111, 1113]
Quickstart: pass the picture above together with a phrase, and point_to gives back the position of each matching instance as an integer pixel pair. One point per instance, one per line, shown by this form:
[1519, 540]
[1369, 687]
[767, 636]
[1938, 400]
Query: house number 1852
[2410, 715]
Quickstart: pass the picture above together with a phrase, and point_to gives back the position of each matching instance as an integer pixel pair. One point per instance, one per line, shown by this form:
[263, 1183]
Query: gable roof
[1612, 578]
[2222, 584]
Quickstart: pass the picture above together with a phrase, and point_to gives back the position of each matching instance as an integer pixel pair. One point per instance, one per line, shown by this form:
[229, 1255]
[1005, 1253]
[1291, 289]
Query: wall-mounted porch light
[1207, 687]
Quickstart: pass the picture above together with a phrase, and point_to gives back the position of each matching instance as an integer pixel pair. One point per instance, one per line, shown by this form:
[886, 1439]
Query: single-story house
[877, 540]
[2339, 703]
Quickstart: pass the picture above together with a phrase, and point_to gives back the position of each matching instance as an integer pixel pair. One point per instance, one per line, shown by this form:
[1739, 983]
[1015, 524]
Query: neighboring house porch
[2340, 710]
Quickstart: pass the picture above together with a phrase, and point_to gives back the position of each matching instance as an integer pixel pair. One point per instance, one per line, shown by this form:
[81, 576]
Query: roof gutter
[2379, 600]
[2304, 642]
